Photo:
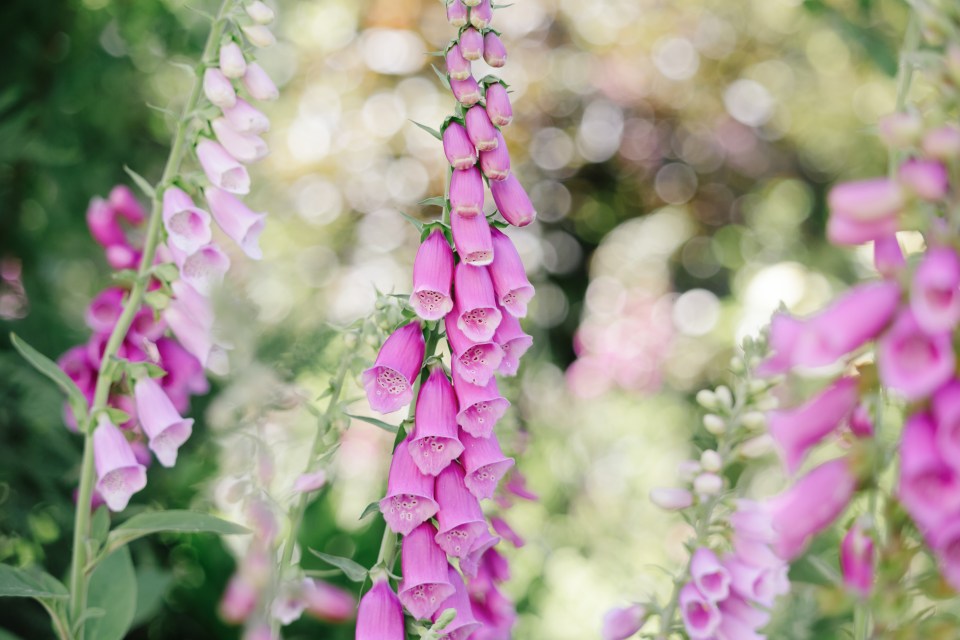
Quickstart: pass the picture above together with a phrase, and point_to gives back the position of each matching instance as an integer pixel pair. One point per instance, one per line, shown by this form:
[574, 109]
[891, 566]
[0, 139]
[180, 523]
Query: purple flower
[467, 92]
[514, 343]
[242, 225]
[460, 152]
[927, 179]
[475, 298]
[863, 210]
[389, 382]
[480, 406]
[460, 517]
[471, 235]
[484, 463]
[512, 201]
[433, 443]
[480, 130]
[432, 276]
[481, 14]
[425, 581]
[510, 281]
[494, 53]
[935, 298]
[221, 168]
[464, 623]
[929, 488]
[458, 67]
[187, 226]
[622, 622]
[495, 163]
[119, 475]
[498, 104]
[478, 360]
[471, 44]
[380, 616]
[710, 577]
[856, 560]
[700, 616]
[466, 193]
[409, 500]
[912, 362]
[456, 13]
[166, 429]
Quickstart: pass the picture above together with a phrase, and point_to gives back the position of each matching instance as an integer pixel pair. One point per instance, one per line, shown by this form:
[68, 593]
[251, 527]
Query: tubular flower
[389, 381]
[432, 277]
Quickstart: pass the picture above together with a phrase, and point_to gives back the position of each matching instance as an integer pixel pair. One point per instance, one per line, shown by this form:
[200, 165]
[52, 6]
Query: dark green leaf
[373, 507]
[436, 134]
[377, 423]
[49, 368]
[21, 583]
[140, 181]
[351, 569]
[100, 526]
[145, 524]
[113, 588]
[152, 586]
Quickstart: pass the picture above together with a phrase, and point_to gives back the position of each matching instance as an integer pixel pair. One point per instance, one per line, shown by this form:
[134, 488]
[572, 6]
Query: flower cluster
[451, 460]
[179, 277]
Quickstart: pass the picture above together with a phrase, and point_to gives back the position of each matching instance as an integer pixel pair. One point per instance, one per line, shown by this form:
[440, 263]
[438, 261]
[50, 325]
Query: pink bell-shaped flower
[432, 277]
[460, 517]
[166, 429]
[478, 361]
[464, 623]
[475, 298]
[237, 220]
[510, 282]
[460, 152]
[188, 227]
[484, 464]
[471, 235]
[911, 361]
[433, 443]
[409, 500]
[389, 382]
[425, 583]
[498, 104]
[514, 343]
[480, 407]
[380, 616]
[221, 168]
[119, 475]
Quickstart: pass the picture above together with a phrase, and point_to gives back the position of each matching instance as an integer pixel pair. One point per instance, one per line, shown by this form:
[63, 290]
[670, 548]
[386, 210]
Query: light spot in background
[273, 298]
[787, 283]
[715, 37]
[600, 131]
[393, 51]
[317, 200]
[551, 149]
[383, 114]
[317, 265]
[676, 183]
[748, 102]
[676, 58]
[550, 306]
[827, 52]
[382, 231]
[873, 100]
[327, 26]
[308, 139]
[695, 313]
[551, 199]
[525, 17]
[561, 252]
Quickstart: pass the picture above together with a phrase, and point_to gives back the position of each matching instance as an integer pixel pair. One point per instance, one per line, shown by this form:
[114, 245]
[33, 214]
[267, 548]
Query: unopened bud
[671, 498]
[737, 365]
[687, 470]
[724, 397]
[758, 386]
[708, 484]
[707, 399]
[259, 36]
[757, 447]
[711, 461]
[753, 420]
[767, 404]
[714, 424]
[260, 13]
[901, 130]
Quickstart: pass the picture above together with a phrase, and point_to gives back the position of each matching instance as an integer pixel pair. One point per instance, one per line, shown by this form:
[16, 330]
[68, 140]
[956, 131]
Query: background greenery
[678, 154]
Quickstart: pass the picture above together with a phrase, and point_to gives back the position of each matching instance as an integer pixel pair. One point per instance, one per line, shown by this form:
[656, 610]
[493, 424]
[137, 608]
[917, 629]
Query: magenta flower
[494, 53]
[460, 517]
[740, 620]
[912, 362]
[328, 602]
[432, 276]
[480, 407]
[484, 463]
[191, 330]
[218, 88]
[480, 130]
[188, 227]
[464, 624]
[481, 15]
[409, 501]
[856, 560]
[860, 210]
[505, 531]
[477, 361]
[929, 487]
[425, 583]
[622, 622]
[460, 152]
[126, 205]
[935, 298]
[700, 616]
[245, 118]
[888, 256]
[471, 44]
[389, 382]
[926, 179]
[239, 600]
[810, 506]
[166, 429]
[942, 143]
[258, 83]
[498, 104]
[474, 295]
[474, 561]
[456, 13]
[514, 343]
[797, 430]
[849, 231]
[510, 281]
[380, 616]
[471, 235]
[946, 411]
[495, 163]
[119, 475]
[103, 224]
[242, 146]
[512, 201]
[458, 67]
[467, 92]
[709, 576]
[104, 310]
[221, 168]
[232, 63]
[466, 193]
[433, 443]
[757, 575]
[242, 225]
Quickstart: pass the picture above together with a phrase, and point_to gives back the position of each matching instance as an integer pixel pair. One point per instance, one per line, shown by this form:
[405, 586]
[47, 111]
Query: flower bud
[714, 424]
[856, 560]
[481, 15]
[711, 461]
[926, 179]
[498, 105]
[901, 130]
[708, 484]
[481, 131]
[260, 13]
[621, 623]
[707, 399]
[671, 498]
[753, 420]
[259, 36]
[942, 143]
[232, 63]
[467, 92]
[687, 470]
[494, 53]
[458, 67]
[757, 447]
[724, 397]
[512, 201]
[460, 152]
[456, 13]
[259, 84]
[471, 44]
[218, 88]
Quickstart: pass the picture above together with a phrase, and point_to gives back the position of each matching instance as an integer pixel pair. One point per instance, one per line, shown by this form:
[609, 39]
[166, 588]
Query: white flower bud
[671, 498]
[737, 365]
[724, 397]
[757, 447]
[753, 420]
[259, 36]
[710, 460]
[708, 484]
[768, 404]
[707, 399]
[260, 13]
[688, 469]
[759, 386]
[714, 424]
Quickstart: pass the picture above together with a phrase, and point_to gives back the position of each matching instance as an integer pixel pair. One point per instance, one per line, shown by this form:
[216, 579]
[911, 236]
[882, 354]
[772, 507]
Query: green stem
[911, 41]
[79, 570]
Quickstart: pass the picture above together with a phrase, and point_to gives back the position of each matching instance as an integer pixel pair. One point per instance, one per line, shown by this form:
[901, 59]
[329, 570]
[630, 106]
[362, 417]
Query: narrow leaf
[440, 74]
[49, 368]
[436, 134]
[436, 201]
[416, 223]
[168, 272]
[377, 423]
[351, 569]
[117, 416]
[100, 526]
[140, 181]
[180, 521]
[21, 583]
[113, 589]
[157, 299]
[373, 507]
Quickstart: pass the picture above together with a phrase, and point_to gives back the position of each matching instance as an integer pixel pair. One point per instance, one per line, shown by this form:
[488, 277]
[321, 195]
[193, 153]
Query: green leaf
[141, 182]
[153, 370]
[436, 201]
[416, 223]
[152, 585]
[168, 272]
[436, 134]
[113, 588]
[373, 507]
[157, 299]
[377, 423]
[100, 526]
[144, 524]
[351, 569]
[21, 583]
[440, 74]
[125, 276]
[49, 368]
[117, 416]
